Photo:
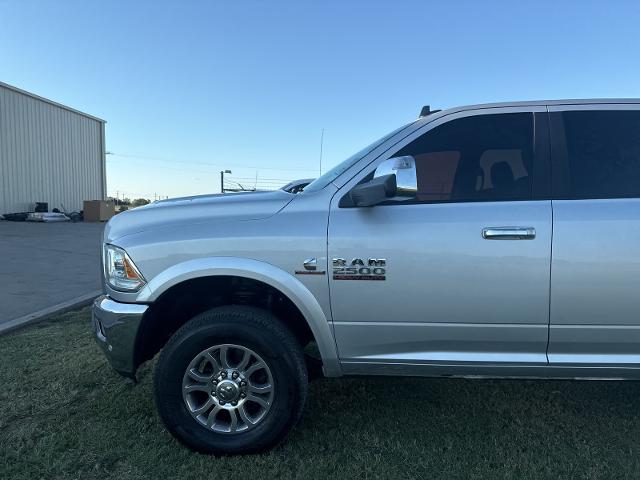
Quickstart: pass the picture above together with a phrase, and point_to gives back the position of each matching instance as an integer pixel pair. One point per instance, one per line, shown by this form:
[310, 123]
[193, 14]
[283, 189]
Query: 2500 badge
[359, 269]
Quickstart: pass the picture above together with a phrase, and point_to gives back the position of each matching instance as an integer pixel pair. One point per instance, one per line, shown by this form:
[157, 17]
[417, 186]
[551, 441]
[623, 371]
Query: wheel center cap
[227, 390]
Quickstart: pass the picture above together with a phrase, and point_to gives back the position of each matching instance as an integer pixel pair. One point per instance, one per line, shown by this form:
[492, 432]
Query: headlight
[119, 270]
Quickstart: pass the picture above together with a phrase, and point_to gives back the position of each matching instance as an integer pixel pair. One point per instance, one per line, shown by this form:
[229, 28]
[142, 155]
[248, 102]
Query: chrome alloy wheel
[228, 388]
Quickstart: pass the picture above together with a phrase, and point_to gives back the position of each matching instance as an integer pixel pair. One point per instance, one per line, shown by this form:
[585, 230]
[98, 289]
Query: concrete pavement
[44, 266]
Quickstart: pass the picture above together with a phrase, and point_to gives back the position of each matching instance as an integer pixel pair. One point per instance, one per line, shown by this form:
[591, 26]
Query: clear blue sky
[208, 85]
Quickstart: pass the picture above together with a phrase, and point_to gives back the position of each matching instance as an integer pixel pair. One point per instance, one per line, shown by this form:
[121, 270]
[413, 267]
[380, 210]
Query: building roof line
[50, 102]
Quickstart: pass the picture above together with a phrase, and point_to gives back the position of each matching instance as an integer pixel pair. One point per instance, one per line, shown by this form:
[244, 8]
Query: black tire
[249, 327]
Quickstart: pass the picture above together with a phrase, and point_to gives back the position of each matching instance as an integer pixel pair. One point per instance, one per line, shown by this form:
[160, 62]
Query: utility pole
[321, 141]
[222, 172]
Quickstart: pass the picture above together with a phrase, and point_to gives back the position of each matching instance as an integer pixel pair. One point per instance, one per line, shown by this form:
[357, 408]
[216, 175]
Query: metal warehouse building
[48, 153]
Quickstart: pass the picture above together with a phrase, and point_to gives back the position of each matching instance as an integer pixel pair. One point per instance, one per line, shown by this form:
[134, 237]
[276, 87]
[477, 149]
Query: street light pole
[222, 172]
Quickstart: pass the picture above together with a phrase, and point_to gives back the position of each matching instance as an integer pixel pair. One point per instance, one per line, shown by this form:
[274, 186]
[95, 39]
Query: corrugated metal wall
[48, 153]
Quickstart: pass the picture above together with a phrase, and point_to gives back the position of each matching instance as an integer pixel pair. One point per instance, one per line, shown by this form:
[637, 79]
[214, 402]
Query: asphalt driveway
[46, 264]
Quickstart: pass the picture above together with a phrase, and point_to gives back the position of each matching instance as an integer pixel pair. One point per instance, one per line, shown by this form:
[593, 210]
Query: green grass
[64, 414]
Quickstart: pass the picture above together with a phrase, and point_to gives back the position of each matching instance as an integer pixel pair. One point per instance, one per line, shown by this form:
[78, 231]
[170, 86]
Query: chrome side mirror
[394, 179]
[404, 169]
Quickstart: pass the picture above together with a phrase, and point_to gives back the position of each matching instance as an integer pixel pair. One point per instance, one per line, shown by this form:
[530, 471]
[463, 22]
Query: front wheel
[231, 380]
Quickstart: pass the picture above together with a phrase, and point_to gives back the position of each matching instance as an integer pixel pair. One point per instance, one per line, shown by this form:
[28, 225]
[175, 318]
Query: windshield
[324, 180]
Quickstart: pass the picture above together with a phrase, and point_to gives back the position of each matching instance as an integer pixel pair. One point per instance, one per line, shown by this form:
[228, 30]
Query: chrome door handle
[509, 233]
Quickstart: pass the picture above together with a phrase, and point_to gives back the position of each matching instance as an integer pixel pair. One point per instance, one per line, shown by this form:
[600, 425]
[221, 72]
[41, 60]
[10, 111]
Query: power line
[132, 195]
[158, 159]
[252, 179]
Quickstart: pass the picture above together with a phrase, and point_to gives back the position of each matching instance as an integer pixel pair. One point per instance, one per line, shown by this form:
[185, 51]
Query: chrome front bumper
[115, 326]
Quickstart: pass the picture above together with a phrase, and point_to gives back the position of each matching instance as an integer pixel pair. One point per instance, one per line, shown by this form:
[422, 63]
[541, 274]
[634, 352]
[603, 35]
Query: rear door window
[600, 157]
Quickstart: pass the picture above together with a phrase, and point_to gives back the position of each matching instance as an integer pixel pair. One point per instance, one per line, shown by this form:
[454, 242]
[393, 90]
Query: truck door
[459, 274]
[595, 280]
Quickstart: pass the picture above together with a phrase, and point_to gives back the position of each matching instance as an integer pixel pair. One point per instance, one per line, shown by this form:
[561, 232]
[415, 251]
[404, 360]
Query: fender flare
[263, 272]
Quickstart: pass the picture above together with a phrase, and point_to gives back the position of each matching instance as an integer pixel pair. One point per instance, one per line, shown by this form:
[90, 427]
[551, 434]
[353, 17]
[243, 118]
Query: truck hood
[175, 212]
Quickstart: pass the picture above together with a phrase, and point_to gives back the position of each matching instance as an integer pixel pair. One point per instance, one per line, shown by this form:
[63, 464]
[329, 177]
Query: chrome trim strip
[488, 370]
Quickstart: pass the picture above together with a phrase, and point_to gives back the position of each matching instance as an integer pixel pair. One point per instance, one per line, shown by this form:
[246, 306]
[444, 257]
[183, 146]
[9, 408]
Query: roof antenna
[426, 110]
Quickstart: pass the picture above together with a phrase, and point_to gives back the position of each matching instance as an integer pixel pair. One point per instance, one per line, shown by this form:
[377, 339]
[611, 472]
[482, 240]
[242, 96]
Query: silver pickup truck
[498, 240]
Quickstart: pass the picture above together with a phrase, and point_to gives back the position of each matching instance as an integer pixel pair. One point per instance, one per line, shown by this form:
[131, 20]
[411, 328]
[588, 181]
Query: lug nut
[214, 383]
[213, 393]
[234, 403]
[223, 374]
[242, 395]
[222, 402]
[234, 375]
[243, 383]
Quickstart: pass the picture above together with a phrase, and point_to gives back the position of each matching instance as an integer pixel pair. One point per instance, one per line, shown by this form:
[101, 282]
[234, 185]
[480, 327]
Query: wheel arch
[265, 273]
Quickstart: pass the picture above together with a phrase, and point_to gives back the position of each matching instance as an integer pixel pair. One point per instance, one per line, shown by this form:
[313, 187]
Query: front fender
[263, 272]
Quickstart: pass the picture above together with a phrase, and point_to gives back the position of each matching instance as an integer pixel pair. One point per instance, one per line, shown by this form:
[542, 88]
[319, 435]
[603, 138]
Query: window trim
[540, 163]
[560, 166]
